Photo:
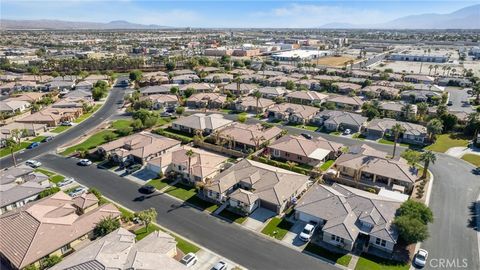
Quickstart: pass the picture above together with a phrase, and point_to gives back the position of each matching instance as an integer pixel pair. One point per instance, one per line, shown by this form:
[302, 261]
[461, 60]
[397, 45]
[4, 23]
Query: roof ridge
[31, 242]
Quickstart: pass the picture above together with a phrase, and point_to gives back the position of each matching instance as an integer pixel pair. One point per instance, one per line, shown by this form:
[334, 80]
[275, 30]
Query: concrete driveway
[257, 220]
[291, 237]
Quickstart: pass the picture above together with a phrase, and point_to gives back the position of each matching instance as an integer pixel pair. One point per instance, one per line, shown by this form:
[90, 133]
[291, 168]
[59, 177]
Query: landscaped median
[277, 228]
[340, 258]
[472, 158]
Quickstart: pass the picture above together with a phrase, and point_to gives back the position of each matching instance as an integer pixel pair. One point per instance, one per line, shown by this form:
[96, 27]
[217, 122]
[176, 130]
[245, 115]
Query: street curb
[176, 234]
[427, 202]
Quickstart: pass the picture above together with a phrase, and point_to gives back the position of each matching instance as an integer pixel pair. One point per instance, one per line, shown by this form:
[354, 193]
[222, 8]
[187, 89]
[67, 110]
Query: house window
[287, 154]
[337, 239]
[380, 242]
[65, 248]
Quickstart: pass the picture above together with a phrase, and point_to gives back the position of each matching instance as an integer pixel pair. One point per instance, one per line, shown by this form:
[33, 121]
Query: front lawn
[46, 172]
[232, 216]
[181, 191]
[307, 127]
[60, 129]
[92, 142]
[160, 183]
[6, 151]
[38, 139]
[182, 244]
[121, 124]
[84, 116]
[326, 165]
[340, 258]
[447, 141]
[277, 228]
[368, 262]
[57, 178]
[472, 158]
[385, 141]
[163, 121]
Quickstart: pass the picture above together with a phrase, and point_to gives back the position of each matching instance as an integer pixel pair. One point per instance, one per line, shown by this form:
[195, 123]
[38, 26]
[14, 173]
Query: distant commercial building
[218, 52]
[299, 55]
[419, 58]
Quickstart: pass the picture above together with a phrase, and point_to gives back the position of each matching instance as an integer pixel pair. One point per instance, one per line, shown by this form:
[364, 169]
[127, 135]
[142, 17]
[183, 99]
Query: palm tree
[397, 129]
[10, 143]
[454, 71]
[257, 96]
[444, 68]
[189, 154]
[430, 69]
[435, 67]
[448, 70]
[434, 127]
[216, 136]
[422, 110]
[427, 157]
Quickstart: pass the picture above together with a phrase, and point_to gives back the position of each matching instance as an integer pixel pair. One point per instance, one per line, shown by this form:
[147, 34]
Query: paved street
[109, 108]
[235, 243]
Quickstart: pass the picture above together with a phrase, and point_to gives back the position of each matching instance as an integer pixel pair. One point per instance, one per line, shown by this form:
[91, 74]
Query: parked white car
[189, 259]
[221, 265]
[33, 163]
[421, 258]
[66, 123]
[65, 182]
[84, 162]
[307, 232]
[77, 192]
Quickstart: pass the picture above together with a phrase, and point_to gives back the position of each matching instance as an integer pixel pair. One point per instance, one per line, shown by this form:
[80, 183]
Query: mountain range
[465, 18]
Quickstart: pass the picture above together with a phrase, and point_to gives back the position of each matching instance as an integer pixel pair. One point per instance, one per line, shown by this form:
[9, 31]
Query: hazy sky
[226, 13]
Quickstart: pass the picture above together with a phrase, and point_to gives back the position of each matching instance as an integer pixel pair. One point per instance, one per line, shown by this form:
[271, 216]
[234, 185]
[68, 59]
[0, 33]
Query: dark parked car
[307, 136]
[147, 189]
[476, 171]
[33, 145]
[47, 139]
[133, 168]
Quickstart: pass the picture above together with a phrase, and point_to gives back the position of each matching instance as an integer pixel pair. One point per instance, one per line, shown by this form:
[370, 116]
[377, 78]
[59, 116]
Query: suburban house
[198, 87]
[59, 85]
[199, 167]
[157, 89]
[201, 122]
[304, 151]
[52, 116]
[84, 85]
[306, 97]
[346, 88]
[206, 100]
[294, 113]
[185, 79]
[30, 129]
[249, 184]
[73, 102]
[29, 96]
[79, 94]
[13, 106]
[340, 120]
[344, 214]
[218, 78]
[249, 104]
[348, 103]
[397, 110]
[140, 147]
[245, 137]
[415, 96]
[272, 92]
[20, 185]
[454, 81]
[378, 91]
[419, 79]
[119, 250]
[379, 128]
[240, 89]
[50, 226]
[161, 101]
[365, 165]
